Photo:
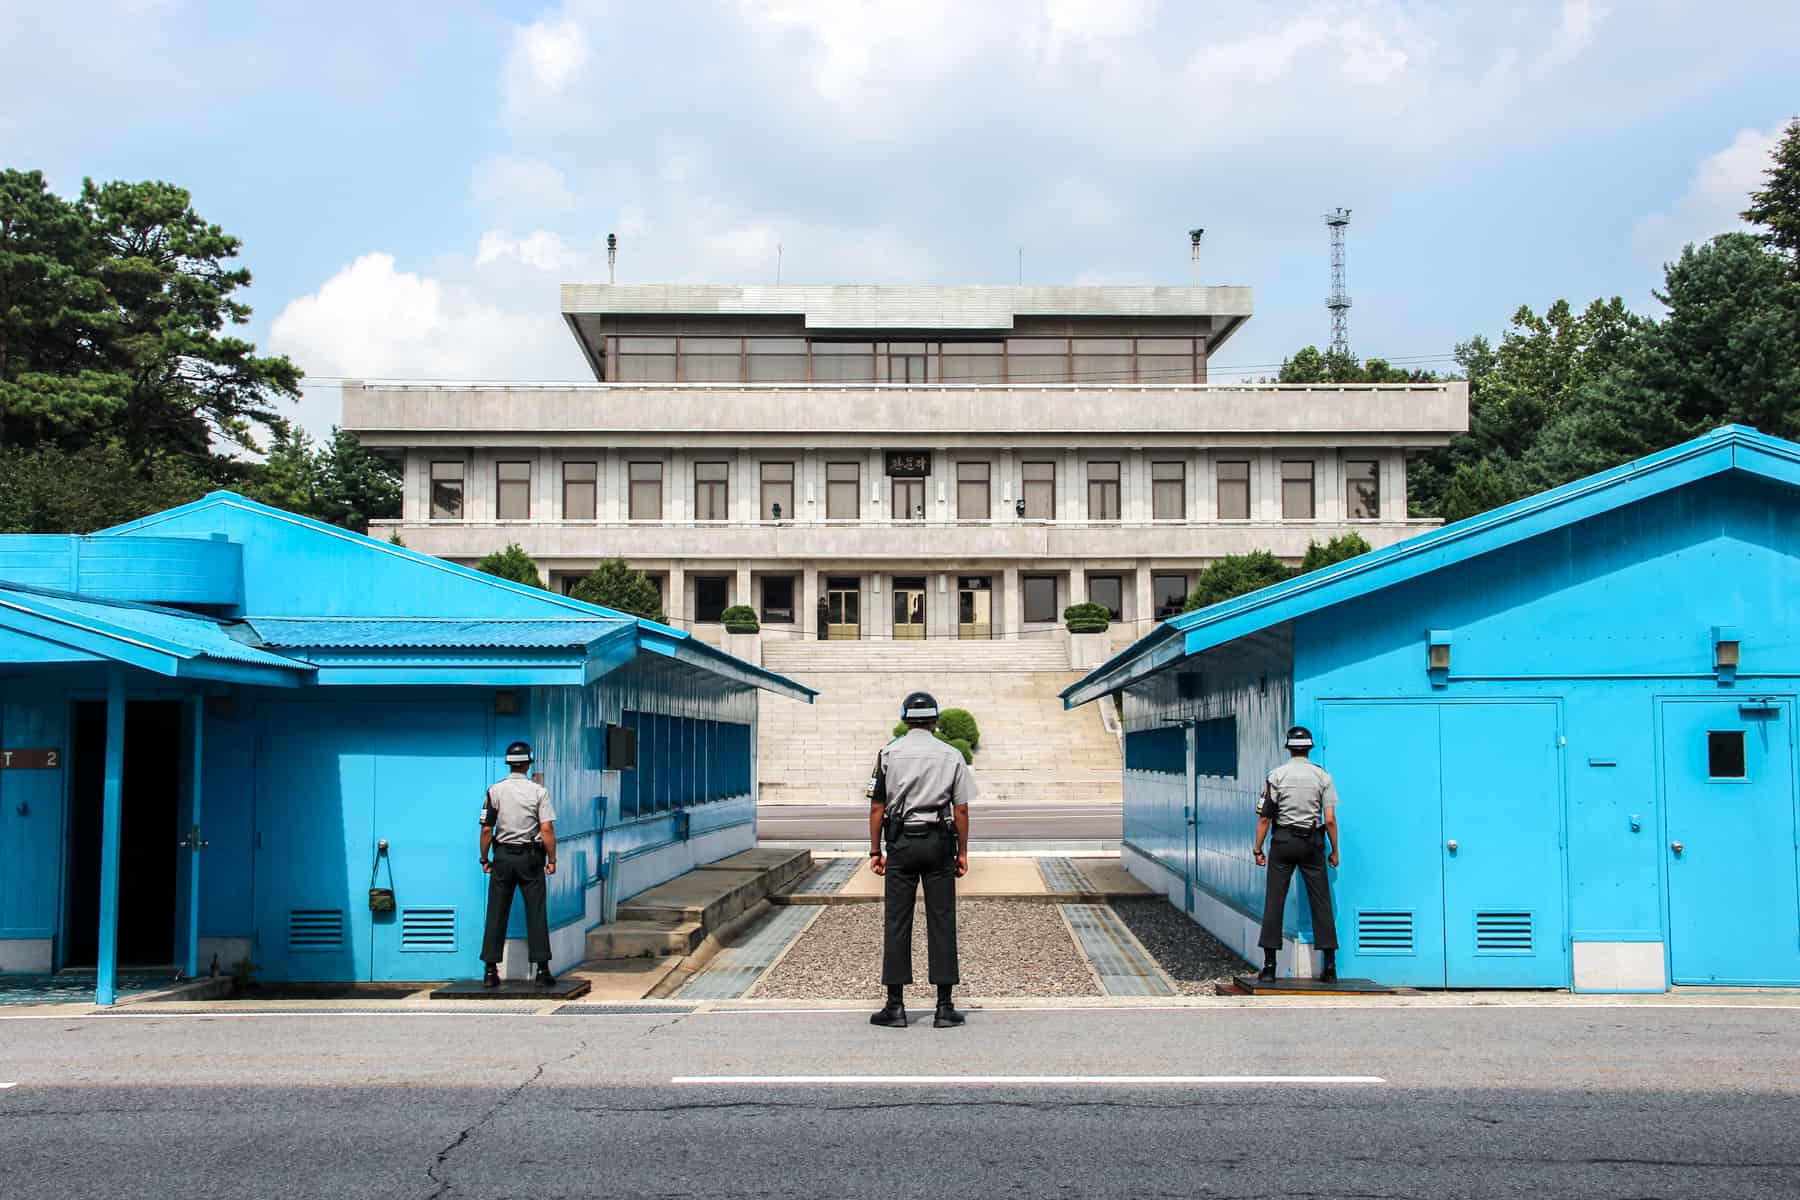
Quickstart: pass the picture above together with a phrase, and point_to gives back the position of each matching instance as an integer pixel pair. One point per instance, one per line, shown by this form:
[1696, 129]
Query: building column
[807, 619]
[1012, 603]
[878, 616]
[741, 593]
[1077, 584]
[1146, 601]
[676, 600]
[106, 965]
[196, 778]
[944, 608]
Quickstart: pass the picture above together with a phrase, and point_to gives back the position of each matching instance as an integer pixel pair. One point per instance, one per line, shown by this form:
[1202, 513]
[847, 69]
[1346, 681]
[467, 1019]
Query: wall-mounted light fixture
[1437, 656]
[1727, 649]
[506, 703]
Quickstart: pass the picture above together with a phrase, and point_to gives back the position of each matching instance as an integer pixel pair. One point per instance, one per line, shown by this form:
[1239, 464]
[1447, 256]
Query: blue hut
[1562, 731]
[220, 724]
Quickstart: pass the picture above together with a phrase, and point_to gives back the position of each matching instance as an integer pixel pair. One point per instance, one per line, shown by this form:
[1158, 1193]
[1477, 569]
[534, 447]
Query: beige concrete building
[902, 462]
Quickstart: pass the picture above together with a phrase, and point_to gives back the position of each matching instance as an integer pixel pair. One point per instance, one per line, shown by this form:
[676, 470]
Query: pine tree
[512, 563]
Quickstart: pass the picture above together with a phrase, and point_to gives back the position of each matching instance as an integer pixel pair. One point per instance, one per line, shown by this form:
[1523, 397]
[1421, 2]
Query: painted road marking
[1022, 1080]
[4, 1086]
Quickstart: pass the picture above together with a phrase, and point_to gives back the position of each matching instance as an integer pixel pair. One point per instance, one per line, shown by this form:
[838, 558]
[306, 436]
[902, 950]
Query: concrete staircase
[1031, 749]
[677, 916]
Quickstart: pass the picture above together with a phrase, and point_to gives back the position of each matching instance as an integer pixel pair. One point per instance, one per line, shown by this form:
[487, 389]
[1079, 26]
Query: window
[1165, 360]
[1171, 593]
[973, 502]
[843, 362]
[1039, 489]
[1725, 754]
[1103, 491]
[646, 360]
[1362, 490]
[911, 362]
[711, 501]
[1108, 590]
[908, 500]
[777, 360]
[1168, 491]
[974, 362]
[1102, 360]
[646, 491]
[1234, 491]
[843, 491]
[579, 483]
[777, 491]
[1037, 360]
[446, 491]
[778, 600]
[710, 595]
[512, 491]
[1040, 598]
[1297, 491]
[710, 360]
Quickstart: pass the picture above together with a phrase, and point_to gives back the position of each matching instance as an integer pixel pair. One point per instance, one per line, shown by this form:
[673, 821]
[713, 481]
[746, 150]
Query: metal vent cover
[1503, 932]
[428, 929]
[311, 930]
[1384, 931]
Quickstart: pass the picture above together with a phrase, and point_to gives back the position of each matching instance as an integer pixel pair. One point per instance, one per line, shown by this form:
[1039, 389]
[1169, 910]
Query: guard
[919, 803]
[1301, 801]
[519, 826]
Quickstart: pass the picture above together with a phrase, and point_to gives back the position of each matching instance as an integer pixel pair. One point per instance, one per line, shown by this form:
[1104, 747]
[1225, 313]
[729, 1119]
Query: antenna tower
[1339, 300]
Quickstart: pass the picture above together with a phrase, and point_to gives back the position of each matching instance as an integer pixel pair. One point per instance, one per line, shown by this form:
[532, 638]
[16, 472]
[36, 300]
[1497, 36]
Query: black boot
[947, 1017]
[1267, 974]
[491, 976]
[544, 977]
[1328, 972]
[892, 1015]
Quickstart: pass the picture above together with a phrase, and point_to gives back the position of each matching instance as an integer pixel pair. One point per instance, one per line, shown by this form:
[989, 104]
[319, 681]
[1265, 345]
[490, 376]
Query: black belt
[1302, 830]
[919, 829]
[518, 845]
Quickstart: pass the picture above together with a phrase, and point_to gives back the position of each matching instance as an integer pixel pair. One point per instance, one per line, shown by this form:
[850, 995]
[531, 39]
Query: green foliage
[900, 728]
[1234, 575]
[740, 618]
[942, 733]
[55, 491]
[512, 563]
[962, 747]
[1087, 617]
[615, 585]
[339, 482]
[1312, 365]
[1776, 205]
[958, 724]
[394, 539]
[1339, 548]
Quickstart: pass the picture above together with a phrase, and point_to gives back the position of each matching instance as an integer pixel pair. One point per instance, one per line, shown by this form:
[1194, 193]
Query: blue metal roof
[113, 629]
[1733, 447]
[434, 633]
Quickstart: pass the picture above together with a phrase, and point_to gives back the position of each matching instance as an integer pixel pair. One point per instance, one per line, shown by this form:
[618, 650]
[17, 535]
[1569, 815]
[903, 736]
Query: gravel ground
[1197, 961]
[1007, 949]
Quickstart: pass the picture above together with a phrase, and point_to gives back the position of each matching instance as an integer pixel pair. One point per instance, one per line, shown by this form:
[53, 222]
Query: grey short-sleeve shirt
[1300, 792]
[518, 806]
[923, 775]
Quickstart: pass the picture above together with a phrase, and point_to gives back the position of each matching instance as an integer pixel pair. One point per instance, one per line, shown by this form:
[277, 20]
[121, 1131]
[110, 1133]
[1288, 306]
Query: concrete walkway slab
[988, 878]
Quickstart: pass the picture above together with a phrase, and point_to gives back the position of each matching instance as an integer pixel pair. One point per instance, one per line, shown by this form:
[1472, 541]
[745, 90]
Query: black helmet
[1299, 738]
[920, 706]
[519, 754]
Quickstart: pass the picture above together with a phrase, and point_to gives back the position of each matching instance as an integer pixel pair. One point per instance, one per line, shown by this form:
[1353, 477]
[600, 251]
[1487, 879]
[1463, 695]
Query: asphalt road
[990, 822]
[1544, 1102]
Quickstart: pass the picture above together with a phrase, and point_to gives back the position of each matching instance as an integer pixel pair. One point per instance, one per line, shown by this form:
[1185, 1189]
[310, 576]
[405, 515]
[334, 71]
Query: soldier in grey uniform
[1300, 801]
[919, 803]
[518, 825]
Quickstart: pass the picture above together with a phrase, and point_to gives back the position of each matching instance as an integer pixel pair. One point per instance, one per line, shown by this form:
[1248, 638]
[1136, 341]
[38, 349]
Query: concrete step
[644, 939]
[675, 917]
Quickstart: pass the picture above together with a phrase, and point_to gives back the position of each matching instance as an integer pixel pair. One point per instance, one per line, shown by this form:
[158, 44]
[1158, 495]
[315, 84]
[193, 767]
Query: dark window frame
[985, 511]
[717, 491]
[631, 489]
[764, 483]
[1163, 611]
[1156, 489]
[592, 483]
[724, 586]
[1352, 500]
[774, 616]
[1026, 484]
[1115, 484]
[1220, 482]
[461, 481]
[836, 486]
[1118, 581]
[1312, 488]
[1727, 754]
[504, 487]
[1049, 615]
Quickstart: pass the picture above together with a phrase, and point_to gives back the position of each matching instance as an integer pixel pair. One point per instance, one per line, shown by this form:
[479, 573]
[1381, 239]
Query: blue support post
[198, 716]
[106, 969]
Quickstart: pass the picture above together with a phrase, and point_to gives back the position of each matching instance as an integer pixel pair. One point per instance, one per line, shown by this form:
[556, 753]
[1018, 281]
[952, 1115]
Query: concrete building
[221, 724]
[1562, 733]
[902, 462]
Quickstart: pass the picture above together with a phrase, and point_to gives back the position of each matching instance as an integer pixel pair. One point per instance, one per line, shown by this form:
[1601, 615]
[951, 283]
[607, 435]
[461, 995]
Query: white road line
[1021, 1080]
[4, 1086]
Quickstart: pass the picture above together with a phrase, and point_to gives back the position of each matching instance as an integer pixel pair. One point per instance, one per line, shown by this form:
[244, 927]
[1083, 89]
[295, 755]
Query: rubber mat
[736, 968]
[1063, 875]
[1123, 967]
[828, 878]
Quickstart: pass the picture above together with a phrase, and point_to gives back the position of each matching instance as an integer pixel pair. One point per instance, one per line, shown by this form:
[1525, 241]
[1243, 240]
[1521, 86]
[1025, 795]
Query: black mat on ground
[566, 988]
[1313, 987]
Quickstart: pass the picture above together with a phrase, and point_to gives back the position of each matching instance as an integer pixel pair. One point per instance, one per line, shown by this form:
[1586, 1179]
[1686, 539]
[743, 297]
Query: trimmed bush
[962, 747]
[899, 728]
[1087, 617]
[740, 618]
[958, 724]
[511, 563]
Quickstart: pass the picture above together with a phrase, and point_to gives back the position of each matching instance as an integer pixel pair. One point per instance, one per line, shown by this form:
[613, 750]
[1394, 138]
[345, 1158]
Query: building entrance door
[909, 500]
[843, 609]
[909, 608]
[975, 606]
[1728, 772]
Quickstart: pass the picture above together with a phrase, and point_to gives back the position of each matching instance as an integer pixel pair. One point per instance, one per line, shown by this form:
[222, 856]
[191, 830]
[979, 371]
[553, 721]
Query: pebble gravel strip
[1198, 963]
[1007, 949]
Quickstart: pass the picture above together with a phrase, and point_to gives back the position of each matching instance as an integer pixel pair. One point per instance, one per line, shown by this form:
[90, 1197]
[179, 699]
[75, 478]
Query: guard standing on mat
[1301, 801]
[919, 803]
[519, 826]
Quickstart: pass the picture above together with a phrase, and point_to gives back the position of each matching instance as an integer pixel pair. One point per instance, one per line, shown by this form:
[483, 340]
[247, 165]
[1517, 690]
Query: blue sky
[412, 180]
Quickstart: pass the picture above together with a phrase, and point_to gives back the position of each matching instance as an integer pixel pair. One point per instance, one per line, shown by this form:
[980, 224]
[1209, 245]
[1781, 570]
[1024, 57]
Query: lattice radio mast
[1339, 300]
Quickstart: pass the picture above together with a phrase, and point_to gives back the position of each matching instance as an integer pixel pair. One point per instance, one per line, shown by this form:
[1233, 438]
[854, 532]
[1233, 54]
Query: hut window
[1725, 754]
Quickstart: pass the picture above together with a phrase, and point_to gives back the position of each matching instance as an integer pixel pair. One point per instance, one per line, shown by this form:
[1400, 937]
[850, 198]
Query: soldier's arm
[877, 794]
[548, 829]
[1329, 799]
[487, 831]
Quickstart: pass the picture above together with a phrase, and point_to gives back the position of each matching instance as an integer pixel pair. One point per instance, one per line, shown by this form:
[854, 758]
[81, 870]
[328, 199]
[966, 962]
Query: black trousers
[1290, 849]
[928, 858]
[519, 867]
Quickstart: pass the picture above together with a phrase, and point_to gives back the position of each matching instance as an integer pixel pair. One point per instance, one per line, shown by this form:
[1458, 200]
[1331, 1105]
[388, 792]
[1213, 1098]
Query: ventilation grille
[1386, 932]
[315, 929]
[1503, 933]
[430, 930]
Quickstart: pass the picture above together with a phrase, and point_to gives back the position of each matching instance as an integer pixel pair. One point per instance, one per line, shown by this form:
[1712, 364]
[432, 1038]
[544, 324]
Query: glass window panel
[1168, 491]
[1234, 491]
[1362, 490]
[908, 500]
[1725, 754]
[1040, 599]
[447, 491]
[843, 491]
[1171, 594]
[646, 491]
[843, 362]
[1037, 360]
[777, 490]
[711, 491]
[973, 362]
[646, 345]
[1103, 491]
[778, 599]
[1165, 346]
[778, 345]
[579, 490]
[1296, 490]
[512, 493]
[1103, 345]
[1101, 368]
[646, 368]
[710, 594]
[710, 360]
[777, 368]
[1039, 490]
[1104, 470]
[1110, 591]
[973, 498]
[1165, 368]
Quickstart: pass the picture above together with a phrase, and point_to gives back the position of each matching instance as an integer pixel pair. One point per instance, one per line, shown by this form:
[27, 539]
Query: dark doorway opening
[151, 809]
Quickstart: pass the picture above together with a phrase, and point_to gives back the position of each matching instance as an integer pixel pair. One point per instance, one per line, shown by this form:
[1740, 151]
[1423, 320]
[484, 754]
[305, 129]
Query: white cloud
[1719, 191]
[540, 250]
[522, 186]
[1578, 17]
[547, 59]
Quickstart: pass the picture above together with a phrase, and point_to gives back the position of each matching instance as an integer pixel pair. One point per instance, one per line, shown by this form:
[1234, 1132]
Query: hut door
[1728, 773]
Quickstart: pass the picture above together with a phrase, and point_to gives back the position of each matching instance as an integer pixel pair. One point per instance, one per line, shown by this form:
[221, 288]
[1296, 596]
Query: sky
[412, 181]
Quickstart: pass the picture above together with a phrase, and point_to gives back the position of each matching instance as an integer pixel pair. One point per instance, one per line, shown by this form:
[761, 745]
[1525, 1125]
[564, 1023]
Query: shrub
[899, 728]
[512, 563]
[740, 618]
[1087, 617]
[616, 586]
[1235, 575]
[1339, 548]
[958, 724]
[963, 748]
